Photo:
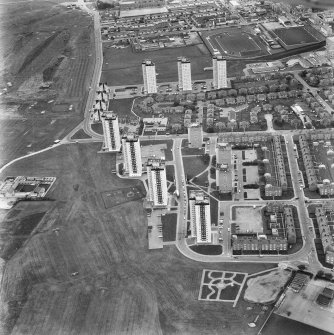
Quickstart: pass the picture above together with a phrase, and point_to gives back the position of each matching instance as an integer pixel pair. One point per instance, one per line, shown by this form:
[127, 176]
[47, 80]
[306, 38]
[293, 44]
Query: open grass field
[42, 43]
[22, 136]
[123, 66]
[121, 106]
[80, 134]
[121, 287]
[169, 222]
[121, 196]
[193, 166]
[294, 35]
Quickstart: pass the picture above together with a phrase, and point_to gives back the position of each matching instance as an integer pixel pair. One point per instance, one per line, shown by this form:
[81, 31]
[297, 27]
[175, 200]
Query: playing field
[295, 36]
[234, 42]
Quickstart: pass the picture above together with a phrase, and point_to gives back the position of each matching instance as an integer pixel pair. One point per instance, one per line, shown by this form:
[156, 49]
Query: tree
[296, 123]
[149, 101]
[231, 124]
[220, 126]
[267, 107]
[251, 90]
[159, 97]
[273, 88]
[232, 92]
[222, 93]
[283, 87]
[243, 91]
[244, 125]
[285, 118]
[176, 127]
[212, 95]
[294, 83]
[325, 121]
[191, 97]
[205, 158]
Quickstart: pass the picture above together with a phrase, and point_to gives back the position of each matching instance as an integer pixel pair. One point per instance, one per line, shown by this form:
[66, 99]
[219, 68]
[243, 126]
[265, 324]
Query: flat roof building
[149, 77]
[157, 182]
[219, 72]
[224, 167]
[195, 135]
[200, 217]
[132, 155]
[112, 137]
[184, 74]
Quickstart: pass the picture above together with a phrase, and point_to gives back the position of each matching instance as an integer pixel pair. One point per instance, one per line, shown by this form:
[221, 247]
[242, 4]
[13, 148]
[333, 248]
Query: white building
[219, 72]
[157, 182]
[132, 155]
[149, 76]
[200, 217]
[184, 74]
[195, 136]
[112, 138]
[330, 47]
[224, 167]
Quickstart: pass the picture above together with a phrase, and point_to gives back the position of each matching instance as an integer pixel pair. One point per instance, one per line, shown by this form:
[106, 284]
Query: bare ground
[265, 289]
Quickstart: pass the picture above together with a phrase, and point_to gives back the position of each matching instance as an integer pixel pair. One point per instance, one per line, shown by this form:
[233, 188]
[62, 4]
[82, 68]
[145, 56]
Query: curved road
[306, 254]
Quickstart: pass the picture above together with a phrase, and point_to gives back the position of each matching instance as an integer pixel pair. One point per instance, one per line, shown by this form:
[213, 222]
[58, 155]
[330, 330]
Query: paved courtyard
[248, 218]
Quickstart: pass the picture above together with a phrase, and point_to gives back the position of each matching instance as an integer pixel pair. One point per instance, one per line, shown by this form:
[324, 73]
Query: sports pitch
[295, 36]
[235, 43]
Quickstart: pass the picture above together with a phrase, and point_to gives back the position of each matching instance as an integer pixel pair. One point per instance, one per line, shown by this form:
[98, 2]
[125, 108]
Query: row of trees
[318, 77]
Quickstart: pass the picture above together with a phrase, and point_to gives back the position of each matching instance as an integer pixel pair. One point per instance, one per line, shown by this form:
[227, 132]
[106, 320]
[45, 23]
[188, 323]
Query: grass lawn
[124, 65]
[169, 222]
[122, 107]
[202, 180]
[193, 166]
[207, 249]
[170, 173]
[192, 151]
[17, 232]
[121, 286]
[214, 210]
[222, 196]
[229, 293]
[168, 152]
[80, 134]
[97, 127]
